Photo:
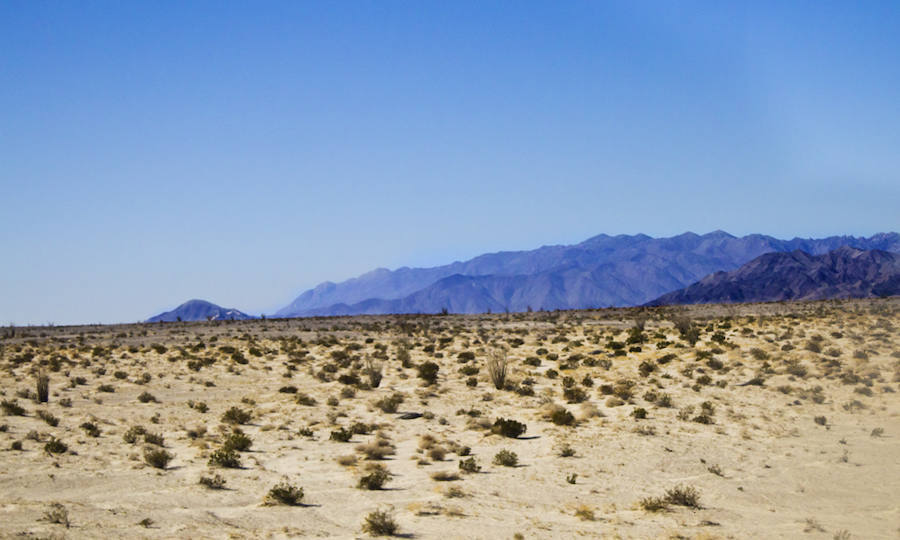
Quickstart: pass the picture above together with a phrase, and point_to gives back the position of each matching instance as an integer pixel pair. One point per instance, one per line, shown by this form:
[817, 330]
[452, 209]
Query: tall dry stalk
[497, 364]
[43, 388]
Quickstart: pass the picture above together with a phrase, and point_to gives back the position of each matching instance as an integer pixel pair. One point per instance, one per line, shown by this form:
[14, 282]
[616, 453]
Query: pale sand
[782, 474]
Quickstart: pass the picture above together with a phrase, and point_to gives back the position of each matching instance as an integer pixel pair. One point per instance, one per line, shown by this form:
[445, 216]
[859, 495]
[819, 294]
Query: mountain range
[843, 273]
[602, 271]
[599, 272]
[200, 310]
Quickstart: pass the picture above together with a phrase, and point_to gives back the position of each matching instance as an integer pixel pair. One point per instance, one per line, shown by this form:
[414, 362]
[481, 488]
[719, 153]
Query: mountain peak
[199, 310]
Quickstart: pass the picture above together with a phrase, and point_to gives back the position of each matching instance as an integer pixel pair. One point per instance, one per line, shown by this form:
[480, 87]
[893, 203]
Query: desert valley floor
[749, 421]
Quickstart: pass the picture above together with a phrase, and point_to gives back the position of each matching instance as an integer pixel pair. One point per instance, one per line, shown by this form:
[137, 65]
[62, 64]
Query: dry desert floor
[746, 421]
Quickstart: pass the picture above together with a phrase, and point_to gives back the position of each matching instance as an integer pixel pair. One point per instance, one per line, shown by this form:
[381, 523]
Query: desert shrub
[47, 417]
[665, 359]
[639, 413]
[566, 450]
[562, 417]
[469, 465]
[497, 366]
[469, 370]
[11, 408]
[212, 482]
[238, 441]
[653, 504]
[683, 496]
[821, 420]
[341, 435]
[646, 368]
[154, 438]
[147, 397]
[225, 457]
[290, 389]
[304, 399]
[91, 429]
[57, 514]
[131, 436]
[428, 372]
[574, 394]
[236, 415]
[715, 363]
[374, 373]
[377, 450]
[55, 446]
[157, 458]
[533, 361]
[108, 388]
[508, 428]
[437, 453]
[284, 493]
[349, 379]
[506, 458]
[375, 479]
[664, 400]
[42, 384]
[380, 523]
[389, 404]
[445, 476]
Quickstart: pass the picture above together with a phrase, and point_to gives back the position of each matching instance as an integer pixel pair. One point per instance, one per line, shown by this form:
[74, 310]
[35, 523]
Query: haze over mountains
[599, 272]
[602, 271]
[843, 273]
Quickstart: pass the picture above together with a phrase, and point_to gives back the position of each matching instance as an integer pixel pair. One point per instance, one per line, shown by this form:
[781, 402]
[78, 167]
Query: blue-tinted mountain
[200, 310]
[599, 272]
[843, 273]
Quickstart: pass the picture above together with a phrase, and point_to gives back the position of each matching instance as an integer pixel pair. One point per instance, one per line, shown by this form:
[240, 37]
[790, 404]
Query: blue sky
[241, 152]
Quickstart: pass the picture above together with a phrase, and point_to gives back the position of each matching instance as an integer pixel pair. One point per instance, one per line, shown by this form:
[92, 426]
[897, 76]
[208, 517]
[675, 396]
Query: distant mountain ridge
[200, 310]
[599, 272]
[843, 273]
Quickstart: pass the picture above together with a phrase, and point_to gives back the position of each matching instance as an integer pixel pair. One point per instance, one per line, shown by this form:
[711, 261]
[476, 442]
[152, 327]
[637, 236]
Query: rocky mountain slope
[843, 273]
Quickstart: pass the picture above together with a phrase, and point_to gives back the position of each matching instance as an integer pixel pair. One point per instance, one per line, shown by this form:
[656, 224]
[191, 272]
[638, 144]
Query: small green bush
[55, 446]
[380, 523]
[508, 428]
[428, 372]
[131, 436]
[236, 415]
[506, 458]
[237, 441]
[224, 457]
[284, 493]
[158, 458]
[376, 478]
[341, 435]
[213, 482]
[469, 465]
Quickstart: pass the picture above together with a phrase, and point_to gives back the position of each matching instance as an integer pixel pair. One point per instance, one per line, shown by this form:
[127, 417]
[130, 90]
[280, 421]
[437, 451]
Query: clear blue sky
[241, 152]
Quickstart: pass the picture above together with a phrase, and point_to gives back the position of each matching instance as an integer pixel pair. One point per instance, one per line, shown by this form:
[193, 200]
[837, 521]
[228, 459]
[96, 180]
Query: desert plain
[776, 420]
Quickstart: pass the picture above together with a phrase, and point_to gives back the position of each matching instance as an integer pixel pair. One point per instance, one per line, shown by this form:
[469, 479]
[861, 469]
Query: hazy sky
[241, 152]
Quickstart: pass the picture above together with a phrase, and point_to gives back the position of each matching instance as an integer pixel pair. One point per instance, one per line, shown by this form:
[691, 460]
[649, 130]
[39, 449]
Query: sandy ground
[779, 459]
